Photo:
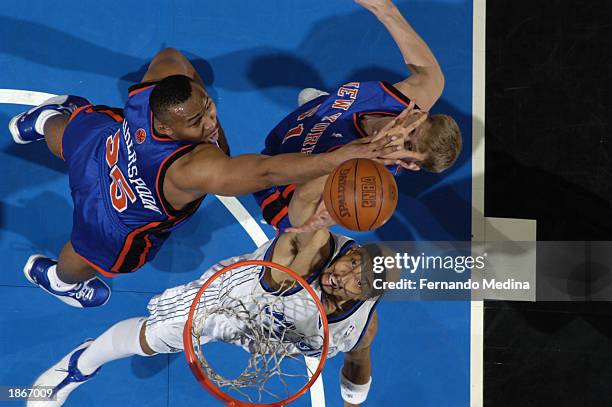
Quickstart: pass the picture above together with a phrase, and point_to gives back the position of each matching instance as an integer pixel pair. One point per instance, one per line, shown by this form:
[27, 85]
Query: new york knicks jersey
[330, 121]
[136, 162]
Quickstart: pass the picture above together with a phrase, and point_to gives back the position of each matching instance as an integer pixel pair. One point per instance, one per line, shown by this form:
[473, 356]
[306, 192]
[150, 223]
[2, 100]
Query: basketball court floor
[254, 57]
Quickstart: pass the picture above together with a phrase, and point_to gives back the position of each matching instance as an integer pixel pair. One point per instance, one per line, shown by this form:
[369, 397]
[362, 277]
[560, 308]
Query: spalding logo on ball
[360, 194]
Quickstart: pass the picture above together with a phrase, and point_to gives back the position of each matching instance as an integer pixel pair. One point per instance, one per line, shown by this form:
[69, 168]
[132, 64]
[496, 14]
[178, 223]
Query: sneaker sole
[15, 130]
[28, 267]
[48, 378]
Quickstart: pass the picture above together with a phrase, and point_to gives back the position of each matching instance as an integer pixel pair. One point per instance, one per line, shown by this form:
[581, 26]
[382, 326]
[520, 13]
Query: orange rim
[194, 362]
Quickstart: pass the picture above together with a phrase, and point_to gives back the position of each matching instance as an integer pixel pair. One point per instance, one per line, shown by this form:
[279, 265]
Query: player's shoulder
[141, 87]
[369, 95]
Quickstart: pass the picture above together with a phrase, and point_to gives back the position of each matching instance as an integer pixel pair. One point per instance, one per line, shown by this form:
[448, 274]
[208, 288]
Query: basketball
[360, 194]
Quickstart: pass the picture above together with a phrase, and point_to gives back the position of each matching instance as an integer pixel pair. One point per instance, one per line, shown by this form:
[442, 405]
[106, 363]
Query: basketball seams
[328, 195]
[367, 181]
[355, 194]
[382, 197]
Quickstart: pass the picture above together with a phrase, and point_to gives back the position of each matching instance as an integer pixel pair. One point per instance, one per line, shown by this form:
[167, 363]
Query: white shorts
[168, 315]
[168, 311]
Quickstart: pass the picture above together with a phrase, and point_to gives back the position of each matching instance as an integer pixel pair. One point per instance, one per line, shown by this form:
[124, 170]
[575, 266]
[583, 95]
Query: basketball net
[256, 323]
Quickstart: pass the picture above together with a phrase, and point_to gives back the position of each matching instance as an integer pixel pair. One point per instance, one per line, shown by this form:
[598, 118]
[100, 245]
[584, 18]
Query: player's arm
[207, 170]
[356, 373]
[303, 251]
[426, 81]
[168, 62]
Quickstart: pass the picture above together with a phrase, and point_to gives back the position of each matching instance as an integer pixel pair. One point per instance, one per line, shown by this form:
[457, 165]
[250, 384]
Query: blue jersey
[117, 164]
[330, 121]
[324, 124]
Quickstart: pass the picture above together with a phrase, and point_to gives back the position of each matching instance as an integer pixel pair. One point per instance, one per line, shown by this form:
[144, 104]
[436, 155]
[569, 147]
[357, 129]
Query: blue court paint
[254, 57]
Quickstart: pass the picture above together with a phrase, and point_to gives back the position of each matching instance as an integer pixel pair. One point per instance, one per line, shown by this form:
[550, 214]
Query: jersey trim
[139, 87]
[95, 266]
[161, 174]
[137, 244]
[135, 249]
[276, 206]
[397, 95]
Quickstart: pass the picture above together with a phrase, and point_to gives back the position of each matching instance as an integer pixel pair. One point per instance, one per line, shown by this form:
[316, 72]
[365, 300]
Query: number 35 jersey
[117, 166]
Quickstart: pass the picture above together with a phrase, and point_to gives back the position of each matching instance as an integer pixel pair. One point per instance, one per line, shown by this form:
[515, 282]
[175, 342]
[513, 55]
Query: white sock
[55, 281]
[45, 115]
[122, 340]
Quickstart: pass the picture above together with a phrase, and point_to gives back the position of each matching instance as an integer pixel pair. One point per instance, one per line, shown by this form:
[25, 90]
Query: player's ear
[412, 166]
[162, 129]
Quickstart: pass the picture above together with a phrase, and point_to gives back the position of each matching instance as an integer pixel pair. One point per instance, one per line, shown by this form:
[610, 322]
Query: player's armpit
[424, 86]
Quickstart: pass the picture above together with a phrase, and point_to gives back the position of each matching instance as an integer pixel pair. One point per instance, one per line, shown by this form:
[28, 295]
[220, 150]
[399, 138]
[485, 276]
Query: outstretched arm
[426, 80]
[357, 370]
[207, 170]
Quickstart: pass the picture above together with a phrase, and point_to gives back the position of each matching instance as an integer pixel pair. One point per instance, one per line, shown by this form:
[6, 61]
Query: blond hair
[441, 144]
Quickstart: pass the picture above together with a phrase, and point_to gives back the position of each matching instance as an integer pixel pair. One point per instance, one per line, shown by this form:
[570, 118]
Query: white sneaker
[63, 377]
[308, 94]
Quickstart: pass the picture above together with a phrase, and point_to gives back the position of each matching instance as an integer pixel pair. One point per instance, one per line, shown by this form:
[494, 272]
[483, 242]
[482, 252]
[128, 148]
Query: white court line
[478, 172]
[23, 97]
[233, 205]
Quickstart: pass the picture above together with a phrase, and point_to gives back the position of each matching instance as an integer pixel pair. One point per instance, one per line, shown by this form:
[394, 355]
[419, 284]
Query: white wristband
[353, 393]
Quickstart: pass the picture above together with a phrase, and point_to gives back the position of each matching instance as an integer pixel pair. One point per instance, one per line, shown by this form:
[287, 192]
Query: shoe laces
[86, 293]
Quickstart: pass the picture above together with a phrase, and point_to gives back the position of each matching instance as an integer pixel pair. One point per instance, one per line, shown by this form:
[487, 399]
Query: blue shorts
[97, 234]
[274, 204]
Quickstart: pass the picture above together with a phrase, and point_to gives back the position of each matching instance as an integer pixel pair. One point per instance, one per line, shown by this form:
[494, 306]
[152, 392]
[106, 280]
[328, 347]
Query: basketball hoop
[256, 318]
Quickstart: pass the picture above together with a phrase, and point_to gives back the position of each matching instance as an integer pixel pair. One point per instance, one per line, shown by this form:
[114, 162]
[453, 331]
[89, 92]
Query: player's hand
[375, 6]
[321, 219]
[367, 147]
[401, 129]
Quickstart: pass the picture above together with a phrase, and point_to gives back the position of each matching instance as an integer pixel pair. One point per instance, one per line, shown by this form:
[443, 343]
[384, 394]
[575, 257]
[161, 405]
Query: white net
[277, 327]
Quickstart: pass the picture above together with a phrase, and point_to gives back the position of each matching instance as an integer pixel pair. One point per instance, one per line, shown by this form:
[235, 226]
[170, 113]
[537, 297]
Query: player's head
[351, 276]
[184, 111]
[436, 143]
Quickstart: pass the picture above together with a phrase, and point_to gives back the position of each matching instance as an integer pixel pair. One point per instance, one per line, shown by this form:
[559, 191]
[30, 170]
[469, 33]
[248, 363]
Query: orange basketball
[360, 194]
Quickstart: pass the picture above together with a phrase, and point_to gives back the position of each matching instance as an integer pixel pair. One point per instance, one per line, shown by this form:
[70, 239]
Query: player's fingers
[401, 154]
[410, 125]
[384, 141]
[400, 118]
[386, 152]
[388, 161]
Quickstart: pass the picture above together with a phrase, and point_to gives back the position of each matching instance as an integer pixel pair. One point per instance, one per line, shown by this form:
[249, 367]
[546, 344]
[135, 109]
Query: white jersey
[295, 311]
